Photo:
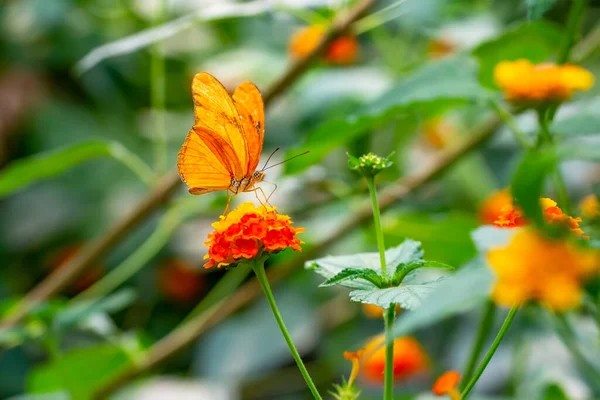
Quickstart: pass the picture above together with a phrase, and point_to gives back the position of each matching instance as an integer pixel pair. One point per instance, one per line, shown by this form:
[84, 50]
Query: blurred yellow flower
[535, 268]
[590, 206]
[523, 82]
[438, 132]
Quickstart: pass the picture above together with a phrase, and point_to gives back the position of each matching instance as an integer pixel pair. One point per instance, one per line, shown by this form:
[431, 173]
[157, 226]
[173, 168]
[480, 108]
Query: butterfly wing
[217, 118]
[199, 167]
[249, 104]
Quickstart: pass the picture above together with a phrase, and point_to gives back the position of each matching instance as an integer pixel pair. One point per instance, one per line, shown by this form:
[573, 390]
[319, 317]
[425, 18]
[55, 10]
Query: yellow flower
[523, 82]
[447, 384]
[535, 268]
[590, 206]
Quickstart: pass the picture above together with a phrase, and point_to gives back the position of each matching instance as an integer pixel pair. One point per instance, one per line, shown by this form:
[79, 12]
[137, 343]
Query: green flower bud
[369, 164]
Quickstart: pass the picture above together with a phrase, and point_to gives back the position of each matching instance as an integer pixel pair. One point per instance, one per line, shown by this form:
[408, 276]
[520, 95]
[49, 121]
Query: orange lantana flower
[409, 359]
[511, 216]
[343, 50]
[438, 132]
[533, 267]
[248, 232]
[179, 281]
[447, 384]
[491, 209]
[523, 82]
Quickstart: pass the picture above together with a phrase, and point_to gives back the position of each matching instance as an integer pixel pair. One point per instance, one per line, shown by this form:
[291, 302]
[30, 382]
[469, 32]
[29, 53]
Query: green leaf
[554, 392]
[465, 290]
[537, 8]
[80, 372]
[407, 296]
[528, 182]
[404, 269]
[445, 237]
[585, 122]
[78, 312]
[447, 82]
[31, 169]
[487, 237]
[332, 266]
[351, 274]
[536, 41]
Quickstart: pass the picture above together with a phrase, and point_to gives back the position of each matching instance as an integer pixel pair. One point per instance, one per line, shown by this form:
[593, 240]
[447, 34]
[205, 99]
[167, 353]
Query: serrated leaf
[537, 8]
[535, 41]
[465, 290]
[451, 80]
[404, 269]
[330, 266]
[350, 274]
[408, 297]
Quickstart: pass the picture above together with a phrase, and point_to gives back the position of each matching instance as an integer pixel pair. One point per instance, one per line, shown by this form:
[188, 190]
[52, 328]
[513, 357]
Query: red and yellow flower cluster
[343, 50]
[447, 384]
[535, 268]
[248, 232]
[524, 82]
[499, 210]
[409, 359]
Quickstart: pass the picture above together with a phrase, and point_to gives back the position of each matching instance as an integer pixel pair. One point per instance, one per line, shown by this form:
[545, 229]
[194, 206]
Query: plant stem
[510, 122]
[388, 390]
[485, 327]
[572, 30]
[157, 97]
[567, 335]
[490, 353]
[377, 220]
[259, 269]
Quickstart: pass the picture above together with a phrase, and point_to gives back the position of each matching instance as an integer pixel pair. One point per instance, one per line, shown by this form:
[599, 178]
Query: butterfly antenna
[289, 159]
[269, 159]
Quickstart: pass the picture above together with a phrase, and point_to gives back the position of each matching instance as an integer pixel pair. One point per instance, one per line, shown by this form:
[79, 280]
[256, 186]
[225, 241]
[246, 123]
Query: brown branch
[190, 331]
[93, 251]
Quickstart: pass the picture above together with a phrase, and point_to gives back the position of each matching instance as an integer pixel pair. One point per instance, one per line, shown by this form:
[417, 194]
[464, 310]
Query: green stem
[377, 220]
[572, 30]
[133, 162]
[388, 377]
[226, 285]
[490, 353]
[510, 122]
[259, 269]
[568, 337]
[157, 98]
[485, 327]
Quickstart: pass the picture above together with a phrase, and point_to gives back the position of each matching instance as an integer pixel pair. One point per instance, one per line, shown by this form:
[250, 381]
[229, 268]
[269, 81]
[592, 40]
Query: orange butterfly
[223, 148]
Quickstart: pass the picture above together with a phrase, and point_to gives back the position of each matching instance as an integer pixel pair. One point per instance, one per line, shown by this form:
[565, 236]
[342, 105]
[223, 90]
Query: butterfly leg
[228, 202]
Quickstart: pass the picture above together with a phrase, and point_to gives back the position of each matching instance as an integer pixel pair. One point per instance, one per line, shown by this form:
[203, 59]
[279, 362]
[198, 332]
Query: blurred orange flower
[373, 311]
[409, 359]
[532, 267]
[491, 209]
[590, 206]
[447, 384]
[248, 232]
[523, 82]
[343, 50]
[511, 216]
[66, 254]
[438, 132]
[179, 281]
[440, 47]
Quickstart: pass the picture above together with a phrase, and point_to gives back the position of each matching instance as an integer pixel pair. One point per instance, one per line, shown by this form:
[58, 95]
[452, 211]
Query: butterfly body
[223, 148]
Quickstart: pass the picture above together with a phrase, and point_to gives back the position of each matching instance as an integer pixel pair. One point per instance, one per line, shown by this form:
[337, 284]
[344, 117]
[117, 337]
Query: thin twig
[190, 331]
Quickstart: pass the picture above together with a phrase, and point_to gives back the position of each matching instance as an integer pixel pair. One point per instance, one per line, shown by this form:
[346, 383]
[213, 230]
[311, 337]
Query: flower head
[343, 50]
[179, 281]
[590, 206]
[369, 164]
[533, 267]
[492, 208]
[511, 216]
[525, 83]
[447, 384]
[409, 359]
[248, 232]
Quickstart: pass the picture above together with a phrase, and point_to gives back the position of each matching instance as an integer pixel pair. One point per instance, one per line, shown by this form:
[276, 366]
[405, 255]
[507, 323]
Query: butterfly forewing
[249, 104]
